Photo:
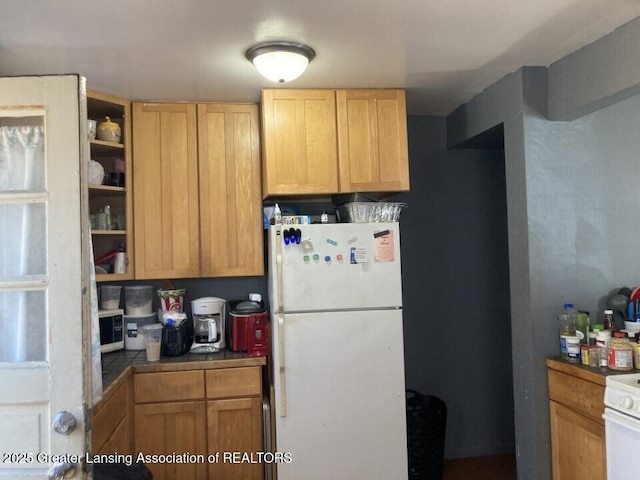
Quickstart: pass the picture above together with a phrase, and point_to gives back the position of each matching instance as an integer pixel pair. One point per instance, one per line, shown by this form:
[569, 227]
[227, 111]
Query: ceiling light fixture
[280, 61]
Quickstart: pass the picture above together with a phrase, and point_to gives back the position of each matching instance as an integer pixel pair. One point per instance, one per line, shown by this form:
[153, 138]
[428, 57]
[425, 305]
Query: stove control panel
[622, 401]
[622, 393]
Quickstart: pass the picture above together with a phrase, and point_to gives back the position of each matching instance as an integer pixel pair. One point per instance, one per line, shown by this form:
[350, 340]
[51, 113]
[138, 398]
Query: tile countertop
[115, 364]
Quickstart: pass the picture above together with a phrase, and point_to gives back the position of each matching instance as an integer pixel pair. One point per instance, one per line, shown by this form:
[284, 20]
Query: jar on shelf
[108, 131]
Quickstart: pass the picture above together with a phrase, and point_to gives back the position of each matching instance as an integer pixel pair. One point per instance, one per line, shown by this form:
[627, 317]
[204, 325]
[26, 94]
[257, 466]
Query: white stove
[622, 425]
[622, 393]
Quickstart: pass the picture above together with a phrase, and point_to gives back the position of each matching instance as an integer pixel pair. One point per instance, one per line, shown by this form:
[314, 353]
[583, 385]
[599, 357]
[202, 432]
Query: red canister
[241, 319]
[258, 337]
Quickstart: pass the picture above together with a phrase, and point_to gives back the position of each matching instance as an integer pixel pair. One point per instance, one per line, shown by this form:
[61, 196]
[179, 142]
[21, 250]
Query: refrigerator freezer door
[336, 267]
[345, 400]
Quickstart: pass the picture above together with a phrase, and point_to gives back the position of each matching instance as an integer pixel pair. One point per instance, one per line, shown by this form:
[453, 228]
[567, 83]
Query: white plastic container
[134, 333]
[110, 297]
[573, 348]
[138, 299]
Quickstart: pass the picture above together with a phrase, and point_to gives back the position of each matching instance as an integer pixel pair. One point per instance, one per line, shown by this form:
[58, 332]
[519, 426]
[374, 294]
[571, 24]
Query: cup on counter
[153, 341]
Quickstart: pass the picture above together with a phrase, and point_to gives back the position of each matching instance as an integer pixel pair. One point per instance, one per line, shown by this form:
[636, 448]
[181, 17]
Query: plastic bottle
[277, 215]
[567, 328]
[569, 309]
[582, 327]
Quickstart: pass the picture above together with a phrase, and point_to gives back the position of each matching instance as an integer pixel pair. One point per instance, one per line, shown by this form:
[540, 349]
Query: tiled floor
[492, 467]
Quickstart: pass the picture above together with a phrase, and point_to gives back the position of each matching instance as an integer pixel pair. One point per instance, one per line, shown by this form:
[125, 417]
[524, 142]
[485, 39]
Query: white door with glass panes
[42, 270]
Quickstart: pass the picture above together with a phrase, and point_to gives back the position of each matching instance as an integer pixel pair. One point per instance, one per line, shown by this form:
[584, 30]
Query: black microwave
[111, 330]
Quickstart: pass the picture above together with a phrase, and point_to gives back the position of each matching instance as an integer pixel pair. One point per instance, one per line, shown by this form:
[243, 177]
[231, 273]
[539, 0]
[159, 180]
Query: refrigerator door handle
[283, 379]
[280, 282]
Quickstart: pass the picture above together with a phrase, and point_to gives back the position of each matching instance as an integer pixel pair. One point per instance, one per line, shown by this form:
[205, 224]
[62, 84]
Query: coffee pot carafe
[208, 324]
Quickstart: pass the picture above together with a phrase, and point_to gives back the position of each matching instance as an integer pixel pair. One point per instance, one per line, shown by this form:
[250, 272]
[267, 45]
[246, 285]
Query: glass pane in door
[22, 153]
[22, 239]
[22, 321]
[23, 251]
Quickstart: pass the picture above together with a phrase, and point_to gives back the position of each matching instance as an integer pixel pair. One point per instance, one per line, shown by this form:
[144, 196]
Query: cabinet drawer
[580, 395]
[168, 386]
[234, 382]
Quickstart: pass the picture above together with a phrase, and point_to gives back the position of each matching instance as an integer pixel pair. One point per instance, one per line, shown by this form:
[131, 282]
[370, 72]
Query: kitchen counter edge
[173, 366]
[596, 375]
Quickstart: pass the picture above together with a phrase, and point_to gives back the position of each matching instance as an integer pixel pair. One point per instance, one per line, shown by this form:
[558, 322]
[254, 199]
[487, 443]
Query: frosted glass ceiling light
[280, 61]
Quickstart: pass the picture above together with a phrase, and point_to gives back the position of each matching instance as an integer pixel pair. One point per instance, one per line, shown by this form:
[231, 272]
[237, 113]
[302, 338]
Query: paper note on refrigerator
[383, 246]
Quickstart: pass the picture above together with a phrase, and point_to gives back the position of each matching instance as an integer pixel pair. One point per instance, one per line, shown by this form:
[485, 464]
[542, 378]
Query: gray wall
[570, 191]
[600, 74]
[456, 288]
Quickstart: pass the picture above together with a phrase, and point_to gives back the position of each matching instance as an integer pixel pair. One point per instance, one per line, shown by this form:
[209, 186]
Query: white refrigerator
[338, 363]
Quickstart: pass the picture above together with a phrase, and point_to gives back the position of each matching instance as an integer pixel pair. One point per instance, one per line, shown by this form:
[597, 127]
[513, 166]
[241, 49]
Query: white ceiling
[442, 51]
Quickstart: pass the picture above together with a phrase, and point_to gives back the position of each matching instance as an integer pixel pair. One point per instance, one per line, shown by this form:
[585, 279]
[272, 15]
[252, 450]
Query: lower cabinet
[112, 429]
[164, 428]
[577, 429]
[235, 428]
[210, 414]
[578, 445]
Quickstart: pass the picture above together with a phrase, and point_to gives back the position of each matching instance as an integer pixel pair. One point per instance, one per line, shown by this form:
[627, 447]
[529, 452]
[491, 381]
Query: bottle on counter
[570, 309]
[608, 320]
[567, 329]
[582, 327]
[602, 341]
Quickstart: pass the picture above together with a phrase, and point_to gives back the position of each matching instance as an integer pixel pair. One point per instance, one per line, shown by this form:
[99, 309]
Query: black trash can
[426, 425]
[121, 471]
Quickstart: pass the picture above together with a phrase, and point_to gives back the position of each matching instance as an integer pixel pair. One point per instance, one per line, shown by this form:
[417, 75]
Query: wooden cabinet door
[112, 430]
[165, 188]
[230, 190]
[119, 441]
[164, 428]
[372, 139]
[577, 445]
[299, 142]
[235, 425]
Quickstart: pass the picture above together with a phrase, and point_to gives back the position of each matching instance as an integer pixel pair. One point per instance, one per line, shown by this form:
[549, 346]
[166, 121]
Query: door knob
[64, 423]
[60, 471]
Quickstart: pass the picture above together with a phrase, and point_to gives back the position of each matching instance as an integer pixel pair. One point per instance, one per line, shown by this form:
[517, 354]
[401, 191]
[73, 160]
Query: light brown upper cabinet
[334, 141]
[208, 222]
[372, 140]
[165, 190]
[230, 200]
[299, 142]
